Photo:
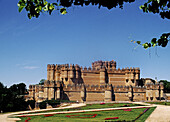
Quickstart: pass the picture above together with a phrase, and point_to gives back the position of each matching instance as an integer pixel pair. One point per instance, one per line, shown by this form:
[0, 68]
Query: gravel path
[160, 114]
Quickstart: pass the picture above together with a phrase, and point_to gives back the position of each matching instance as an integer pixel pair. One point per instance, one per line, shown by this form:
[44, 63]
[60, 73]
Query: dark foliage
[35, 7]
[166, 86]
[12, 99]
[43, 105]
[52, 102]
[19, 89]
[42, 82]
[31, 103]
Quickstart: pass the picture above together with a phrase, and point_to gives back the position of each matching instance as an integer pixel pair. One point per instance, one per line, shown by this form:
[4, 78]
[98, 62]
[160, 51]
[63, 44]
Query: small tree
[166, 86]
[42, 82]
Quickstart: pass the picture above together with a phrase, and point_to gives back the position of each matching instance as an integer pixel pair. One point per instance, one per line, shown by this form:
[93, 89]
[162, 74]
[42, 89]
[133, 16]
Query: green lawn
[101, 115]
[93, 106]
[160, 103]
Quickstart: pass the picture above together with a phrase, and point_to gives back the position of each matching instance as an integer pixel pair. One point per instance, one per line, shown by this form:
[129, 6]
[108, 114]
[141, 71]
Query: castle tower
[108, 93]
[32, 91]
[102, 76]
[51, 90]
[57, 73]
[41, 92]
[50, 72]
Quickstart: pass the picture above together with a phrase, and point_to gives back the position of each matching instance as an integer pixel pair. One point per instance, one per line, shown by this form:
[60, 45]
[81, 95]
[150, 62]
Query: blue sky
[84, 35]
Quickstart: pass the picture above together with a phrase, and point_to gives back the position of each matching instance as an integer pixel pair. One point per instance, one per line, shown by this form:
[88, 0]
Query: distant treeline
[166, 86]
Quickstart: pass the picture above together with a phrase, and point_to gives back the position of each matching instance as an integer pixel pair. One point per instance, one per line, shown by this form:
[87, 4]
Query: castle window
[132, 80]
[126, 80]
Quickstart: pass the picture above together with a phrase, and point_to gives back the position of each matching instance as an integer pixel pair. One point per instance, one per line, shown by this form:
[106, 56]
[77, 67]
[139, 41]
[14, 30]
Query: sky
[82, 36]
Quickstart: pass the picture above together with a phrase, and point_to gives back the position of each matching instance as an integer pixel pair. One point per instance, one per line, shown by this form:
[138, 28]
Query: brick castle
[101, 82]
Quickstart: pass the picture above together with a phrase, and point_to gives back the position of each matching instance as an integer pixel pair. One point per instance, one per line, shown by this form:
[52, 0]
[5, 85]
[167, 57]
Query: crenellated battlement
[106, 64]
[154, 86]
[63, 67]
[73, 87]
[117, 89]
[97, 67]
[80, 87]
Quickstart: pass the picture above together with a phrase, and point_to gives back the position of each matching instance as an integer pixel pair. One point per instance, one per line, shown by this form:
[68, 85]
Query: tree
[166, 86]
[42, 82]
[12, 99]
[161, 7]
[19, 89]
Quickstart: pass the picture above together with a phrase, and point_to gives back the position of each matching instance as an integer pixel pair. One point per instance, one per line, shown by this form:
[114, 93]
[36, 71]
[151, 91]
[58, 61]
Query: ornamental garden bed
[139, 114]
[92, 106]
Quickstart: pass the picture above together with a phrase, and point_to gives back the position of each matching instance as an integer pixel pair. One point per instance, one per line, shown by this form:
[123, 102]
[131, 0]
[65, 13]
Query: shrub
[53, 102]
[31, 103]
[43, 105]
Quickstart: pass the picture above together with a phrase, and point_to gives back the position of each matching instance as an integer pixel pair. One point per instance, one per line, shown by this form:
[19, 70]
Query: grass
[101, 115]
[160, 103]
[92, 106]
[146, 115]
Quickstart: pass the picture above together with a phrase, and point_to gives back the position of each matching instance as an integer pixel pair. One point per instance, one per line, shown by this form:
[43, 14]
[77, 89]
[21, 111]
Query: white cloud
[30, 67]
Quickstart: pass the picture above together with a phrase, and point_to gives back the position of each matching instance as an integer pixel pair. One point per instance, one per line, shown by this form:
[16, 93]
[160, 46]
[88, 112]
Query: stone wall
[102, 72]
[101, 82]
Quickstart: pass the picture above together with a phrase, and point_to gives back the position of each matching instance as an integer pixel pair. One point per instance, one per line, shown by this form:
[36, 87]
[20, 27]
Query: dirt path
[160, 114]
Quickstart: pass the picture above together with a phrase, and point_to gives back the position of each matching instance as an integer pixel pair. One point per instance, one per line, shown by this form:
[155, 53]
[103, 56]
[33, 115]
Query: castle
[101, 82]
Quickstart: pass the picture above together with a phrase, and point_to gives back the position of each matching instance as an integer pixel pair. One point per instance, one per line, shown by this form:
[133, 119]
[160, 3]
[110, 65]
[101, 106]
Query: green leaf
[40, 8]
[29, 16]
[138, 42]
[141, 7]
[149, 45]
[153, 41]
[20, 8]
[158, 1]
[63, 11]
[145, 45]
[159, 42]
[154, 45]
[45, 3]
[50, 7]
[149, 1]
[45, 8]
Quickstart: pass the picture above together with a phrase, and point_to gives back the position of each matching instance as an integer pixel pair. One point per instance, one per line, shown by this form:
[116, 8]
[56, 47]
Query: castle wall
[121, 96]
[73, 95]
[139, 96]
[91, 78]
[95, 96]
[102, 82]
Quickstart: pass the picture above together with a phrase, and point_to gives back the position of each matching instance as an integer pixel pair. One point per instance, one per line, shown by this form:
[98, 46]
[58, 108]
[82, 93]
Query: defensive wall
[101, 82]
